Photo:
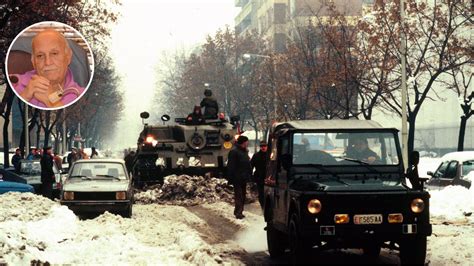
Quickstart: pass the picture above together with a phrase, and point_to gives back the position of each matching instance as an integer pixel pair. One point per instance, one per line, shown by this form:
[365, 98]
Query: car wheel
[372, 251]
[297, 245]
[413, 251]
[276, 241]
[128, 212]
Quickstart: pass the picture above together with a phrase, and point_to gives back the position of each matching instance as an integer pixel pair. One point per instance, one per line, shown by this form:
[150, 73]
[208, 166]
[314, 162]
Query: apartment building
[277, 19]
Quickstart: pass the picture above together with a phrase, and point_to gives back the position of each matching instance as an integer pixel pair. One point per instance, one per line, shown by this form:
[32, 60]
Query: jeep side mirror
[430, 173]
[286, 162]
[412, 172]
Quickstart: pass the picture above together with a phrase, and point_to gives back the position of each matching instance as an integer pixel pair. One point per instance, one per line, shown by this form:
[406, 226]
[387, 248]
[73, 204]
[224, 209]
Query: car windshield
[345, 148]
[98, 170]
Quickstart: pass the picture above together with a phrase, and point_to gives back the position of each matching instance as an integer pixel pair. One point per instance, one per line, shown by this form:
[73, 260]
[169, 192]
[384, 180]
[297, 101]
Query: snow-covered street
[33, 228]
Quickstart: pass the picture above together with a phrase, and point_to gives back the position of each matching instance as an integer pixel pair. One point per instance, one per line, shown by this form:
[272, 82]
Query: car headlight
[121, 195]
[314, 206]
[68, 195]
[417, 205]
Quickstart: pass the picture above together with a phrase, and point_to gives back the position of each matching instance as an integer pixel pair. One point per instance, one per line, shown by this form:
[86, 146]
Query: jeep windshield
[345, 148]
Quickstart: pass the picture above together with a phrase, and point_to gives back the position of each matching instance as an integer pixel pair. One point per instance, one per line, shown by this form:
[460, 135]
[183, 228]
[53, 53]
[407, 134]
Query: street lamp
[275, 91]
[404, 86]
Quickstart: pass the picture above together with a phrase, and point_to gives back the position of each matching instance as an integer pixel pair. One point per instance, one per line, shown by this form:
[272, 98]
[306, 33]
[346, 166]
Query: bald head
[51, 55]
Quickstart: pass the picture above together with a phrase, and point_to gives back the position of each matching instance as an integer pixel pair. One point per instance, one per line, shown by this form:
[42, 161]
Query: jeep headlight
[121, 195]
[417, 205]
[68, 195]
[314, 206]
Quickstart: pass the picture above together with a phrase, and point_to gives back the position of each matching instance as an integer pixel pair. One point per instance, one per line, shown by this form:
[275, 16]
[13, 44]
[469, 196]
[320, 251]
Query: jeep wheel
[372, 251]
[275, 241]
[413, 251]
[297, 245]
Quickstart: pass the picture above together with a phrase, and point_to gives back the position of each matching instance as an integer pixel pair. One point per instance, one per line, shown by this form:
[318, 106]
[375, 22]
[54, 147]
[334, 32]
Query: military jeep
[321, 193]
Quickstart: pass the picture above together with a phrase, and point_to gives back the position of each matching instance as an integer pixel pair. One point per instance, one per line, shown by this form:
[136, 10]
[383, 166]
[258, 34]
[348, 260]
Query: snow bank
[187, 190]
[35, 229]
[453, 204]
[451, 245]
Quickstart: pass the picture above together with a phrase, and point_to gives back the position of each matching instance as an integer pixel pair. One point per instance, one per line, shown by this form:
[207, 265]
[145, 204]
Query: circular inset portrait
[49, 65]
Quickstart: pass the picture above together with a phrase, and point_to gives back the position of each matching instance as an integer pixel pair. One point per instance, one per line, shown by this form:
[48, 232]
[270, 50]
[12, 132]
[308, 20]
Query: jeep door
[281, 190]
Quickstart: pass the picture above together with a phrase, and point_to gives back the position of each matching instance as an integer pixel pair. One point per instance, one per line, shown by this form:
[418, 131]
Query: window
[451, 170]
[467, 167]
[342, 148]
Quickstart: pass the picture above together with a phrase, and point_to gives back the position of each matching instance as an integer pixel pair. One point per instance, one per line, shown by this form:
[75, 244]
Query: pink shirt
[24, 79]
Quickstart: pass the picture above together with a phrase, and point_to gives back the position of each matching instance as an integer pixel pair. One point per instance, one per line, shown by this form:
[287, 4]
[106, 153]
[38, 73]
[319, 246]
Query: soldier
[239, 172]
[211, 108]
[195, 118]
[259, 162]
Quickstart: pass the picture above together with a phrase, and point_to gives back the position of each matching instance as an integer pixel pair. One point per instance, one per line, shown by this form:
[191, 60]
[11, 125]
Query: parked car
[454, 168]
[30, 170]
[98, 185]
[8, 186]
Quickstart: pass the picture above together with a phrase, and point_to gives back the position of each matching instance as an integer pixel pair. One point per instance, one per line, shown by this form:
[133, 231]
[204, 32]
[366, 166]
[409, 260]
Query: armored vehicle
[182, 148]
[341, 184]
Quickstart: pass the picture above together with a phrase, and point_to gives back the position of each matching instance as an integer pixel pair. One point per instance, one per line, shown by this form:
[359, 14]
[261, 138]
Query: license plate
[368, 219]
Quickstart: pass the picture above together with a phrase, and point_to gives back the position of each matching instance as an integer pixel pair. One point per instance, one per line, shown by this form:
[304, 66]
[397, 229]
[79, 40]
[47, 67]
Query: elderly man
[51, 83]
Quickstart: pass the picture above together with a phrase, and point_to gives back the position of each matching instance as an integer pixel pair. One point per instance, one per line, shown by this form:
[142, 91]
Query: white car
[453, 170]
[98, 185]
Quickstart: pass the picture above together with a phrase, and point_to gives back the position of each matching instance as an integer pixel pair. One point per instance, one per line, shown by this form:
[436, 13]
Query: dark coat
[47, 174]
[361, 155]
[238, 166]
[259, 162]
[16, 161]
[129, 161]
[211, 108]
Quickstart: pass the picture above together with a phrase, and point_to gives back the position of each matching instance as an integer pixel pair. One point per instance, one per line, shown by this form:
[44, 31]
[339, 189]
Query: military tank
[182, 148]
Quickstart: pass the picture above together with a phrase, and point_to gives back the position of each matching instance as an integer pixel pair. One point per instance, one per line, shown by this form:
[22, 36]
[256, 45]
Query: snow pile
[187, 190]
[24, 207]
[56, 236]
[453, 204]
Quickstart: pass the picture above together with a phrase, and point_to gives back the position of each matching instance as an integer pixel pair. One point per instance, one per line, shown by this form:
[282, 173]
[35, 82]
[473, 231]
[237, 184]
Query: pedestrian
[31, 155]
[259, 162]
[58, 161]
[83, 154]
[72, 157]
[129, 161]
[38, 154]
[211, 108]
[94, 153]
[16, 160]
[239, 172]
[47, 173]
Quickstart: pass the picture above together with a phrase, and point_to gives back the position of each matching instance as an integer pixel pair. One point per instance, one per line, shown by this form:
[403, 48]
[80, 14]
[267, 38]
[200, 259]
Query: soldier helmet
[207, 92]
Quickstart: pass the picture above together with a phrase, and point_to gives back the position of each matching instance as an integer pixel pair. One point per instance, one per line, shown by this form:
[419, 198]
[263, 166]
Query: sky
[144, 32]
